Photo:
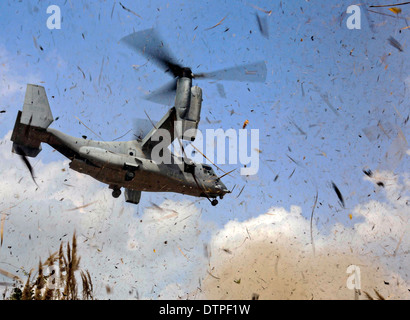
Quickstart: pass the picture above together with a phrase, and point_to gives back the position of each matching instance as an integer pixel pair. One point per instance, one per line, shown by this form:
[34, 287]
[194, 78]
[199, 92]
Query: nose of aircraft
[222, 189]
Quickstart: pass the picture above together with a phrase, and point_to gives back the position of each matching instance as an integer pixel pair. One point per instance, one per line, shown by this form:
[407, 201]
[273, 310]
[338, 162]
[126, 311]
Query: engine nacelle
[188, 103]
[193, 114]
[183, 97]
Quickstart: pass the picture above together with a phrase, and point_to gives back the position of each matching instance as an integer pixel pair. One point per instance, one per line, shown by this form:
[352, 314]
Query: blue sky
[335, 100]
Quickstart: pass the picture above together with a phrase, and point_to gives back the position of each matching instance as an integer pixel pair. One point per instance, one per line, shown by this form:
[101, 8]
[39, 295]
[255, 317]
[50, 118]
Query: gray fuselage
[109, 163]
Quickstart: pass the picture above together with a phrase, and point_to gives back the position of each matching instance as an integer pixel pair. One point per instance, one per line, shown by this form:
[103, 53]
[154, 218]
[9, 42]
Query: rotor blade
[141, 127]
[23, 156]
[164, 95]
[147, 43]
[254, 72]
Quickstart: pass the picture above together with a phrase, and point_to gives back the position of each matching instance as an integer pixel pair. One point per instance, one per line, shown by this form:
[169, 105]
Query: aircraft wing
[167, 123]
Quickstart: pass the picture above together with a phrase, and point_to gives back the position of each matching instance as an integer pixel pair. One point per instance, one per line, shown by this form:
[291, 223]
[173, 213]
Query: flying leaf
[217, 23]
[393, 42]
[339, 194]
[263, 26]
[262, 10]
[84, 206]
[395, 10]
[129, 10]
[3, 218]
[10, 275]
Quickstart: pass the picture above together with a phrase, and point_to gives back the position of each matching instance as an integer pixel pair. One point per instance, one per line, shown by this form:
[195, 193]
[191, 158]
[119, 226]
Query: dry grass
[60, 282]
[379, 296]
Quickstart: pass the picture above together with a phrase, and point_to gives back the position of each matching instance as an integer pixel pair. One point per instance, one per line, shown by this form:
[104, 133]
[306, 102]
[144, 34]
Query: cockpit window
[208, 170]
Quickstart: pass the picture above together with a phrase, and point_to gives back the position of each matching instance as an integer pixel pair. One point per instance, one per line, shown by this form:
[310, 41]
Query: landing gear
[116, 193]
[129, 176]
[214, 202]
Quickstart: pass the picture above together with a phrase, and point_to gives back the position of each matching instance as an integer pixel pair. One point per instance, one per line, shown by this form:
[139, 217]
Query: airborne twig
[217, 23]
[311, 223]
[390, 5]
[130, 11]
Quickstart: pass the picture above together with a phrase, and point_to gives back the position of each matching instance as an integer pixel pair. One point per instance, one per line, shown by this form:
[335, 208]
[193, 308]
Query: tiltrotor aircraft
[128, 164]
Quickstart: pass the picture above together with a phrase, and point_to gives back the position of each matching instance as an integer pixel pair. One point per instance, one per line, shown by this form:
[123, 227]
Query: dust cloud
[272, 256]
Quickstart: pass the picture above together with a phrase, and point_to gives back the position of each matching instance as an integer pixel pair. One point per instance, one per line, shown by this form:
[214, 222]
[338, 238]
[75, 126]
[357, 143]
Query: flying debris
[217, 23]
[126, 9]
[221, 90]
[3, 219]
[368, 173]
[240, 192]
[19, 150]
[263, 25]
[339, 194]
[262, 10]
[393, 42]
[395, 10]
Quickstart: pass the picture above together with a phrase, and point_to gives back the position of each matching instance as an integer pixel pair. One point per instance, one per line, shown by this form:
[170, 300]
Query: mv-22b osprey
[129, 164]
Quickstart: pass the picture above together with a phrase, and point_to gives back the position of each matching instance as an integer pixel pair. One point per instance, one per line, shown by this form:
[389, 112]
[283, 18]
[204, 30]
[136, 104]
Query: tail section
[35, 119]
[36, 110]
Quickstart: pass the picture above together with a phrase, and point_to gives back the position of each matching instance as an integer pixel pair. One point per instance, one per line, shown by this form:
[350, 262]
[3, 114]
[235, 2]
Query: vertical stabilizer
[36, 110]
[31, 122]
